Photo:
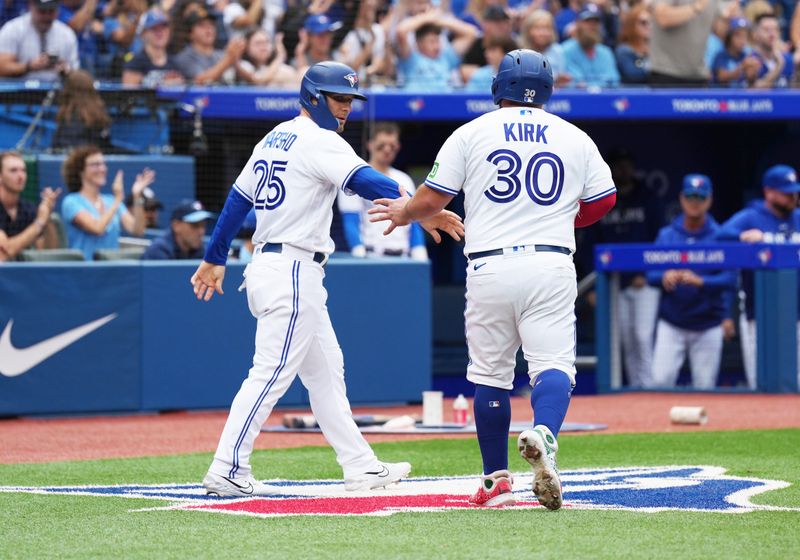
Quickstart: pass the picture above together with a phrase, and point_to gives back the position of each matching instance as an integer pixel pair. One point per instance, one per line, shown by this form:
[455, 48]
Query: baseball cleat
[495, 491]
[217, 485]
[539, 447]
[384, 475]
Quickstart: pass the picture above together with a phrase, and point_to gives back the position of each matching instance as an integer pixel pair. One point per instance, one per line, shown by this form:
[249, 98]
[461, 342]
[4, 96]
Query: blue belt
[537, 248]
[278, 248]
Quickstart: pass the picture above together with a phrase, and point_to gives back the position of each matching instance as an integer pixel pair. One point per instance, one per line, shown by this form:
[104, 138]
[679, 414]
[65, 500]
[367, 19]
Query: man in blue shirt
[775, 219]
[184, 240]
[693, 304]
[586, 58]
[429, 67]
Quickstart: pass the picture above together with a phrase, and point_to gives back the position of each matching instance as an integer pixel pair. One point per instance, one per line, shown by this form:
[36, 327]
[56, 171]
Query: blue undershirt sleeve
[351, 223]
[228, 225]
[368, 183]
[417, 237]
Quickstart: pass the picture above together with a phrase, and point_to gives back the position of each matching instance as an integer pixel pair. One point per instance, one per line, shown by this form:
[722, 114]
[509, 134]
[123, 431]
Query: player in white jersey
[528, 178]
[366, 238]
[291, 180]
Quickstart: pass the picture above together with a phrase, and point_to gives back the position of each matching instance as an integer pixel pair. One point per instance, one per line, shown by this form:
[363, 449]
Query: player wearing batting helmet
[291, 181]
[529, 178]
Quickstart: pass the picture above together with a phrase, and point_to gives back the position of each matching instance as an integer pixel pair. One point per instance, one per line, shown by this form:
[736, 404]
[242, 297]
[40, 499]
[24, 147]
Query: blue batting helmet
[327, 77]
[524, 76]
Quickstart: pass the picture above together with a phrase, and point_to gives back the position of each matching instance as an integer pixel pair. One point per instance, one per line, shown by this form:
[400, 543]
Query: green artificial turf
[57, 526]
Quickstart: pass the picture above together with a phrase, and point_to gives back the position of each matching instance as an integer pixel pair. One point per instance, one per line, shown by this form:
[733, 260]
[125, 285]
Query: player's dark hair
[385, 127]
[427, 29]
[74, 165]
[760, 17]
[505, 43]
[8, 154]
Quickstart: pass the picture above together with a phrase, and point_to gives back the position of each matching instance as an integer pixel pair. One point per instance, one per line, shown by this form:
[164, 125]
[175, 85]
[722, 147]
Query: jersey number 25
[270, 190]
[509, 165]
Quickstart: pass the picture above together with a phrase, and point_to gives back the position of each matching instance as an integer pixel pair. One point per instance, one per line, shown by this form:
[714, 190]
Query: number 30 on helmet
[524, 76]
[327, 77]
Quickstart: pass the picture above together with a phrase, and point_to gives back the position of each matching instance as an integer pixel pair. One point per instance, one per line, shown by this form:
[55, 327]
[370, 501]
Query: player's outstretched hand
[391, 210]
[207, 279]
[446, 221]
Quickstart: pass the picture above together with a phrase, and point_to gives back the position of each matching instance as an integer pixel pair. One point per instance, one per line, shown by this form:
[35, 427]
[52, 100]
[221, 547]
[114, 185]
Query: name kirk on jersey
[525, 132]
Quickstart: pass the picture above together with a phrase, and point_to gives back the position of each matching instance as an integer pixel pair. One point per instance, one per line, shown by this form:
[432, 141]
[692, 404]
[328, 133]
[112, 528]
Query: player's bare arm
[207, 279]
[426, 207]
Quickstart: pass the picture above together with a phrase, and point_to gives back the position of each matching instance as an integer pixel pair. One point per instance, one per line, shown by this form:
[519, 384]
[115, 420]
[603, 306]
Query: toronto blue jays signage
[645, 489]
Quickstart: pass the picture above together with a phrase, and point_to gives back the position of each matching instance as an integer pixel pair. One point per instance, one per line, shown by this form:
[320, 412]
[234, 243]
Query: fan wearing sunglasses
[365, 238]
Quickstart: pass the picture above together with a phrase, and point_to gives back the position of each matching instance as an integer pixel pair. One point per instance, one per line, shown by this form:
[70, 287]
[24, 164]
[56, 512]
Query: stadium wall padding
[161, 349]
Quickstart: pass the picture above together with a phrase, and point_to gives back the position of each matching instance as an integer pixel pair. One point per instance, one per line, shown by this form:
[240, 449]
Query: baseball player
[364, 237]
[693, 304]
[291, 180]
[528, 178]
[775, 219]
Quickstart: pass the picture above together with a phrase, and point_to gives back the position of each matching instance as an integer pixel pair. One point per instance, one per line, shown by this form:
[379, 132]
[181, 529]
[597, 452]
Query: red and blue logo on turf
[647, 489]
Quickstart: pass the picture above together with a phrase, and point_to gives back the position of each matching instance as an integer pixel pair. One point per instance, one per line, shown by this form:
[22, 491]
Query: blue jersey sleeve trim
[440, 188]
[602, 195]
[241, 192]
[345, 185]
[369, 184]
[228, 225]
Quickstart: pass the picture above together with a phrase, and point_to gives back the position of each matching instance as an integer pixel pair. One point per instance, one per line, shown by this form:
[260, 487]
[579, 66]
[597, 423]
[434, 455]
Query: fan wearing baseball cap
[316, 41]
[775, 219]
[36, 45]
[694, 307]
[184, 240]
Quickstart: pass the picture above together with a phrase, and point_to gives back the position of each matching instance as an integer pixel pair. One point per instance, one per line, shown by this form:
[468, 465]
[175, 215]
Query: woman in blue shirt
[94, 219]
[633, 51]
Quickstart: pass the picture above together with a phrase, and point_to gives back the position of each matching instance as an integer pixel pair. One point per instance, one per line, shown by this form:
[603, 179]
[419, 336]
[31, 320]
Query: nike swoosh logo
[16, 361]
[245, 489]
[477, 266]
[381, 473]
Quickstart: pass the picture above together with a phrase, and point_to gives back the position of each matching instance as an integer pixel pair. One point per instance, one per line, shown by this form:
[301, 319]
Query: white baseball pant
[637, 312]
[526, 300]
[673, 344]
[294, 336]
[747, 336]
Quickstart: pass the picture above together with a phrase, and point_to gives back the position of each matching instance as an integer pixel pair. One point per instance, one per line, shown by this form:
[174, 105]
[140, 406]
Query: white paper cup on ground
[432, 408]
[688, 415]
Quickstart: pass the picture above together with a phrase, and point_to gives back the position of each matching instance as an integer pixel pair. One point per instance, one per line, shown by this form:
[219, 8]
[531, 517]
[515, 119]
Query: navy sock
[492, 410]
[550, 399]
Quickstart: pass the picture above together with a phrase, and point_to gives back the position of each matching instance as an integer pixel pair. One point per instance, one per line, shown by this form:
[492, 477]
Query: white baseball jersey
[523, 172]
[372, 232]
[292, 179]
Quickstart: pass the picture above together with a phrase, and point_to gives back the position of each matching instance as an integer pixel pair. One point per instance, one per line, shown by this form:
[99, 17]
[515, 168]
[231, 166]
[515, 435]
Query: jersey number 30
[509, 165]
[270, 190]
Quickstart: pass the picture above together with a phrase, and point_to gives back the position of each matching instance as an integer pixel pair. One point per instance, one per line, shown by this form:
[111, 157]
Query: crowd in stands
[420, 45]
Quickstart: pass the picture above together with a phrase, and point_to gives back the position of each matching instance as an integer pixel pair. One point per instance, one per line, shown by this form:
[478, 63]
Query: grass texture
[36, 526]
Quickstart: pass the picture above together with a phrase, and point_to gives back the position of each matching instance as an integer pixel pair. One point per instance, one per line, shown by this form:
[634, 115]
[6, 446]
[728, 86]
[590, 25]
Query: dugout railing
[775, 297]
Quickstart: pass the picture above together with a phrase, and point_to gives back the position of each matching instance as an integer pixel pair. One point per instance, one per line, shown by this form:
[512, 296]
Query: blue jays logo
[644, 489]
[621, 104]
[352, 79]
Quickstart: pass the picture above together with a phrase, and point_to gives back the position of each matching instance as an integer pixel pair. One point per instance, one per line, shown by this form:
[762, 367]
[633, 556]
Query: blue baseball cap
[589, 11]
[781, 178]
[696, 184]
[738, 23]
[191, 212]
[152, 18]
[320, 23]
